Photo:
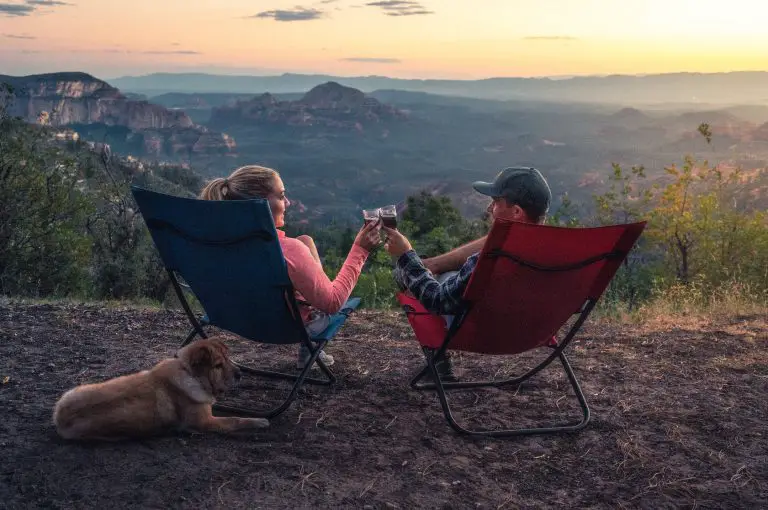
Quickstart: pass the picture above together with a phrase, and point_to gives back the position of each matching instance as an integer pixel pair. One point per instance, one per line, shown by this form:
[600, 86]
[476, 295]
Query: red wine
[389, 221]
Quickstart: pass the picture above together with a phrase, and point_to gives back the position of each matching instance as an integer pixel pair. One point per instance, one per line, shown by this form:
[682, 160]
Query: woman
[304, 267]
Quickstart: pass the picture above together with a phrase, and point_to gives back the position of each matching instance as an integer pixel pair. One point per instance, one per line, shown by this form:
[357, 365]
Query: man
[519, 194]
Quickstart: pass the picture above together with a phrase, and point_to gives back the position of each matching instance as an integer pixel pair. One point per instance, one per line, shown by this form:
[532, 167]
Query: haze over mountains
[713, 88]
[341, 149]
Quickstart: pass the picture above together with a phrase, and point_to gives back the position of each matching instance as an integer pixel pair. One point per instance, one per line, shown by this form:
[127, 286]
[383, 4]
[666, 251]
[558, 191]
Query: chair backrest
[530, 279]
[229, 254]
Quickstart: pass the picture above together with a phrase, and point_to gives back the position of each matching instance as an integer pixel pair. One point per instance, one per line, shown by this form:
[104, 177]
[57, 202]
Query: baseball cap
[519, 185]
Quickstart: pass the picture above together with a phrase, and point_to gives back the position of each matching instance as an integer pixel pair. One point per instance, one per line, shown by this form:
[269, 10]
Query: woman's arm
[307, 275]
[313, 284]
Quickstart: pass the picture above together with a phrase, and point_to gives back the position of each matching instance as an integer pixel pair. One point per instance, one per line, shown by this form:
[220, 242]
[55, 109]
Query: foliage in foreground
[69, 228]
[68, 224]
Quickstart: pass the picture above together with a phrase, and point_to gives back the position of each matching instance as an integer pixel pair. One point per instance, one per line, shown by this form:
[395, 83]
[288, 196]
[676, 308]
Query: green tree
[705, 224]
[627, 200]
[43, 249]
[566, 214]
[426, 212]
[124, 262]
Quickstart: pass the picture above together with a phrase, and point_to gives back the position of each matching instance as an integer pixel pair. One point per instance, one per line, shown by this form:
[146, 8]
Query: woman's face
[278, 202]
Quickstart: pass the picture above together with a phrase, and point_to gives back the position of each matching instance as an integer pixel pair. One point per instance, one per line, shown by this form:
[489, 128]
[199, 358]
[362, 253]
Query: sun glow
[437, 39]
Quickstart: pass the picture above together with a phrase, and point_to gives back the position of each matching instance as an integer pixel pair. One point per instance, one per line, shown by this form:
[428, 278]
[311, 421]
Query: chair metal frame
[314, 345]
[432, 355]
[299, 379]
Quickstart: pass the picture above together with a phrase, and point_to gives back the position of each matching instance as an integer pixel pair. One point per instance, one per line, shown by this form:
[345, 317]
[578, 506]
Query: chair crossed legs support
[299, 379]
[431, 355]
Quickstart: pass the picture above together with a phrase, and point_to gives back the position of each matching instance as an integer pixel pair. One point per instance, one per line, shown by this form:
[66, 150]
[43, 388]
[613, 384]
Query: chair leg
[440, 386]
[299, 380]
[190, 337]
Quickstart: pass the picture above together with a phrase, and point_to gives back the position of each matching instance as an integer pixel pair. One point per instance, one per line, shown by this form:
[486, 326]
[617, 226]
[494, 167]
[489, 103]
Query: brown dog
[176, 393]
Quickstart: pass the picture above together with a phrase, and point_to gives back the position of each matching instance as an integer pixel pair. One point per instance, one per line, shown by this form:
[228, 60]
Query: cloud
[550, 38]
[16, 10]
[47, 3]
[171, 52]
[295, 14]
[28, 8]
[400, 7]
[19, 36]
[373, 60]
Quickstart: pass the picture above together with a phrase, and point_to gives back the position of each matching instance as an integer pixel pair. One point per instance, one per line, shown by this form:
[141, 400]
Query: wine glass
[371, 215]
[389, 216]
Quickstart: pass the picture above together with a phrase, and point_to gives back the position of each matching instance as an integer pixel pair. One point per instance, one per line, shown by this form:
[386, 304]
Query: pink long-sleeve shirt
[311, 282]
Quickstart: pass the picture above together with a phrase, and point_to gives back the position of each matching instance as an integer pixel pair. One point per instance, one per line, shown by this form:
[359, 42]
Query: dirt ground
[679, 421]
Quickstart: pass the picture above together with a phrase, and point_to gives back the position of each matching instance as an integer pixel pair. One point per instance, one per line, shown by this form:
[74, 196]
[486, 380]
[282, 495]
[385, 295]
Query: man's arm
[442, 298]
[455, 258]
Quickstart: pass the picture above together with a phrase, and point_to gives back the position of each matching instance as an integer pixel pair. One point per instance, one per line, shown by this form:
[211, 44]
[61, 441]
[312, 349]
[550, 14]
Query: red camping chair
[529, 281]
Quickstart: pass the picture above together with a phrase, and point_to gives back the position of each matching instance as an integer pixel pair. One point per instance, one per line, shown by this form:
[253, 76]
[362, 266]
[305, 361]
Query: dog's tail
[65, 417]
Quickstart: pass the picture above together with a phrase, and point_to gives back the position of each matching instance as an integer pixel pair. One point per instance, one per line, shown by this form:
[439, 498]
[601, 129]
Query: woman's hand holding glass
[369, 237]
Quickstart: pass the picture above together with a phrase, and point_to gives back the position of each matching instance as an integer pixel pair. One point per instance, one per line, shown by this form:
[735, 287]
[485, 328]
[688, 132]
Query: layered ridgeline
[96, 110]
[341, 149]
[678, 88]
[69, 226]
[329, 105]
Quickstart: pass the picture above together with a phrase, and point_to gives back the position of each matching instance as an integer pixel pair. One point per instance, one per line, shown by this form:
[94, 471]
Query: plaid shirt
[443, 298]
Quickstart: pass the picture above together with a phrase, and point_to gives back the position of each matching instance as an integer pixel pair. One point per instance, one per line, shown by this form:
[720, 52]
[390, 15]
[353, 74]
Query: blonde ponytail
[251, 181]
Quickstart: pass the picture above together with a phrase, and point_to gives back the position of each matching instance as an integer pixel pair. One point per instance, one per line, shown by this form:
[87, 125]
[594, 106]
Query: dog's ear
[201, 358]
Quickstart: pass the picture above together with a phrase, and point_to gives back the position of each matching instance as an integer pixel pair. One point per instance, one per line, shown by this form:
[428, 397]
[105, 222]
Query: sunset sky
[399, 38]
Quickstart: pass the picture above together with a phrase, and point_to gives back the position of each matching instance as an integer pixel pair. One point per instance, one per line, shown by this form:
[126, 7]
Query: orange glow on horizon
[455, 40]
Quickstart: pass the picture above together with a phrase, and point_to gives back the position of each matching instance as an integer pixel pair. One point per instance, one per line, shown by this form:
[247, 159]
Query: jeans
[441, 278]
[318, 322]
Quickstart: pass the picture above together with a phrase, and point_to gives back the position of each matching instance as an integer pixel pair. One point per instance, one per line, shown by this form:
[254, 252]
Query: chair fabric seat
[528, 281]
[228, 255]
[430, 329]
[337, 320]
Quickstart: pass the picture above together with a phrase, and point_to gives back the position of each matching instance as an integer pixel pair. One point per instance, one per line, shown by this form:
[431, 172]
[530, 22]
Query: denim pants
[318, 322]
[441, 278]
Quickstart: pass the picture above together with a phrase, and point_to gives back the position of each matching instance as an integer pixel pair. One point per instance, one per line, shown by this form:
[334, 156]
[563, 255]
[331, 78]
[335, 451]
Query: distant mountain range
[97, 110]
[329, 106]
[340, 149]
[713, 88]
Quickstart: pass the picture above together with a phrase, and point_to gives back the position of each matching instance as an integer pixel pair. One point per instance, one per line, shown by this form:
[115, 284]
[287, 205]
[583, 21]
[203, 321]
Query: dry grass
[692, 302]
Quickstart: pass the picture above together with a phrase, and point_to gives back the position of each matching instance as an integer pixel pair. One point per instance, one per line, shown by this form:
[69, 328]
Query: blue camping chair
[228, 254]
